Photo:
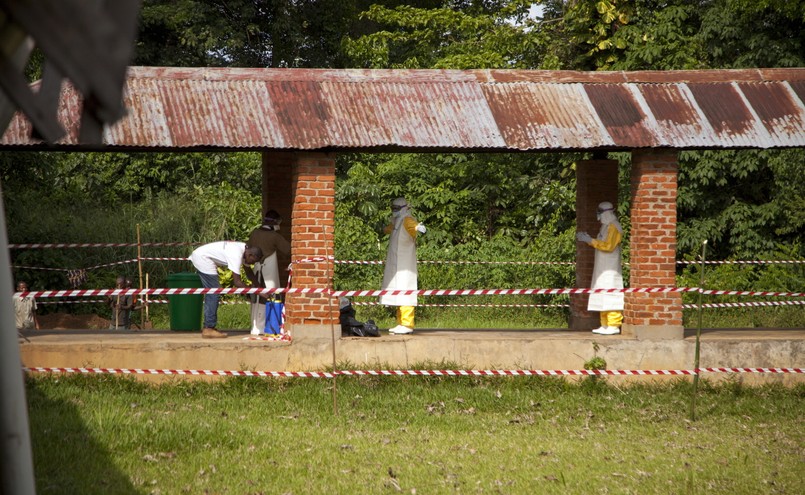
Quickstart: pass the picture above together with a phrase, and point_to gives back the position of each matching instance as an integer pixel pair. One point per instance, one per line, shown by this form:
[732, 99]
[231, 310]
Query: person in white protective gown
[400, 272]
[607, 271]
[266, 273]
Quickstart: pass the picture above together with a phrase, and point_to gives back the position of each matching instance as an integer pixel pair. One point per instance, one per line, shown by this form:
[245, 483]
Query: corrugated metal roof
[423, 110]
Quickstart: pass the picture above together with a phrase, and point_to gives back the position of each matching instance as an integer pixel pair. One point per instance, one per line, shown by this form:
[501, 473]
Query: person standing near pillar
[607, 271]
[276, 258]
[400, 272]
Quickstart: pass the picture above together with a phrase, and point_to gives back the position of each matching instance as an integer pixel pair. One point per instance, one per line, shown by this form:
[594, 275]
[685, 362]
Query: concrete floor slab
[538, 349]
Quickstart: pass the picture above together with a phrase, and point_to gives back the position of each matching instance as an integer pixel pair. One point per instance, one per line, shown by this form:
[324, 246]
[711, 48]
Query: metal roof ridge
[467, 75]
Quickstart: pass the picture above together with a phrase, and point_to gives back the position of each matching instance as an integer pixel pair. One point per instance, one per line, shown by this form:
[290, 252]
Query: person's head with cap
[272, 220]
[399, 207]
[606, 213]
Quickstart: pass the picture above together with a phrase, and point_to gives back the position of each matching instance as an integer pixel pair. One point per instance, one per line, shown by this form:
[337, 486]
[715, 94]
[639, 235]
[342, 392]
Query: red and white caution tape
[458, 262]
[750, 293]
[745, 304]
[331, 374]
[105, 265]
[375, 303]
[743, 262]
[753, 370]
[441, 262]
[373, 293]
[42, 268]
[70, 245]
[165, 259]
[104, 301]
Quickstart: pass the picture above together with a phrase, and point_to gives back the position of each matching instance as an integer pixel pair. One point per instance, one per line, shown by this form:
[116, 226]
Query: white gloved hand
[421, 228]
[584, 237]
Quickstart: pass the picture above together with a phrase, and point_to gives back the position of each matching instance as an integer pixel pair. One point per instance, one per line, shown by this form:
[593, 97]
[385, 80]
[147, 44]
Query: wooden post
[140, 270]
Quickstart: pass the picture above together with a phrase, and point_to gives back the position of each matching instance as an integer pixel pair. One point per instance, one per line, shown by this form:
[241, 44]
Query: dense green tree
[753, 33]
[251, 33]
[747, 204]
[481, 35]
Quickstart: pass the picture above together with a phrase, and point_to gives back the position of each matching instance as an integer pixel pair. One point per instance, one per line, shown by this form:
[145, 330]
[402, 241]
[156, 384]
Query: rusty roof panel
[778, 109]
[622, 115]
[389, 113]
[728, 114]
[360, 109]
[679, 122]
[545, 116]
[799, 88]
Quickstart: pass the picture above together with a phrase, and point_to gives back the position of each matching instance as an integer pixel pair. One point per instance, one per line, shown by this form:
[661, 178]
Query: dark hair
[255, 250]
[272, 217]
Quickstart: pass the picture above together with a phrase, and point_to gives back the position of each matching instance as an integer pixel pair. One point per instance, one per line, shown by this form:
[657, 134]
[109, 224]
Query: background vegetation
[748, 204]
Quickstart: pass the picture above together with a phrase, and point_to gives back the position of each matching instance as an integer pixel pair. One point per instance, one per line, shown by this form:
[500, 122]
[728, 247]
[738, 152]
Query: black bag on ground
[351, 327]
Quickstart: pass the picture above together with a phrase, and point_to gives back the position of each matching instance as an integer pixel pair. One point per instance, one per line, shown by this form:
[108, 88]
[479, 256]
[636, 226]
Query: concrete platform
[543, 349]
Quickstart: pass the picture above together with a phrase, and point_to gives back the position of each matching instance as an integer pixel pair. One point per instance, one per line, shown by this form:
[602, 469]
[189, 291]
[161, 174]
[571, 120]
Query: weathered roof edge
[425, 110]
[470, 75]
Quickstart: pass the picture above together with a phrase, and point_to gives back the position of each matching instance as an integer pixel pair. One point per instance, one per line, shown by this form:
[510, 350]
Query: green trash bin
[185, 309]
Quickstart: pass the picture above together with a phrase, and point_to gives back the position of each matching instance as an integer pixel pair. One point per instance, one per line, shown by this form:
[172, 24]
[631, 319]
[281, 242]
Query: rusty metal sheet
[545, 116]
[678, 121]
[777, 107]
[422, 110]
[626, 122]
[727, 112]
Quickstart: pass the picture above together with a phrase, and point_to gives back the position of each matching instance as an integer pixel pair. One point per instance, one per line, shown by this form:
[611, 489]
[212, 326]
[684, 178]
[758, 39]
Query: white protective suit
[607, 271]
[269, 275]
[400, 272]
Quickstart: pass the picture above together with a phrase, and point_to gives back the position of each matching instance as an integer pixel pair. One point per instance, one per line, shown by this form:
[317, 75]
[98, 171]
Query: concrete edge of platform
[544, 350]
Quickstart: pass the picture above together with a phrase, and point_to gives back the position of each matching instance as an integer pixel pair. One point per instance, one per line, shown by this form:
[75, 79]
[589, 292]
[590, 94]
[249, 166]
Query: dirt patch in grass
[67, 321]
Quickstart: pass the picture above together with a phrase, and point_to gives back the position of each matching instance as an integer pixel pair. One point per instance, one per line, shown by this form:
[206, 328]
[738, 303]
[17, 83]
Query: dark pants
[210, 300]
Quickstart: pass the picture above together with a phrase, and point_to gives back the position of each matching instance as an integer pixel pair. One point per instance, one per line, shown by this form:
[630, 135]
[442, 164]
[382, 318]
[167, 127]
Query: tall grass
[101, 434]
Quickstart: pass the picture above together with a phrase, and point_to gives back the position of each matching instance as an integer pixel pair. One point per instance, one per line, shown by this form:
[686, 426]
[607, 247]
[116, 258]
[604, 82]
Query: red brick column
[653, 247]
[596, 181]
[304, 192]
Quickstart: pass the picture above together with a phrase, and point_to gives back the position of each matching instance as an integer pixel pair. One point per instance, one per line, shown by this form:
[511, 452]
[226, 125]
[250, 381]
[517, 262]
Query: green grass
[424, 435]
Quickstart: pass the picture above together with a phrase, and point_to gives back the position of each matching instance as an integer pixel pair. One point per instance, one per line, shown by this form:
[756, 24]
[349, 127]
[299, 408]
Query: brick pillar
[278, 185]
[301, 187]
[277, 190]
[596, 181]
[653, 247]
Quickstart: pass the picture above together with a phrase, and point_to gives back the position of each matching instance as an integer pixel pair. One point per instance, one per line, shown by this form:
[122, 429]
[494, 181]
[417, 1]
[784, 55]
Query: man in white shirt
[206, 259]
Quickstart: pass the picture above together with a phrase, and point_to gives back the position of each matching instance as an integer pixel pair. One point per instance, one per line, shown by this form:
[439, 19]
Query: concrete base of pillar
[654, 332]
[583, 323]
[314, 332]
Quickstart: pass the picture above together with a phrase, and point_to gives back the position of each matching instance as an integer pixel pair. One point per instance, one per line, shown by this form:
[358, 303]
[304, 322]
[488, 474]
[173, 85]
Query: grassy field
[414, 435]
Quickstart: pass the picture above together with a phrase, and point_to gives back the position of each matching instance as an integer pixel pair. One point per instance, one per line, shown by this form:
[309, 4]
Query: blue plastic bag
[273, 317]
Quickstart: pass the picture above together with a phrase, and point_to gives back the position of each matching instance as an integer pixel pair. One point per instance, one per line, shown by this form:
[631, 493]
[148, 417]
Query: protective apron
[607, 274]
[400, 272]
[268, 274]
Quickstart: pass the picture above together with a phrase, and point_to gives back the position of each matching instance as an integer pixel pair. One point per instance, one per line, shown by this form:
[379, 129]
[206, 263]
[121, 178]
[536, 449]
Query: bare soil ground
[67, 321]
